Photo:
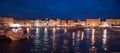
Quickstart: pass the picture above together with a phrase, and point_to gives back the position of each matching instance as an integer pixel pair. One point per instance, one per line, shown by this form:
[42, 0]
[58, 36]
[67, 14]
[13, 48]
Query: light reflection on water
[82, 36]
[54, 40]
[93, 48]
[104, 39]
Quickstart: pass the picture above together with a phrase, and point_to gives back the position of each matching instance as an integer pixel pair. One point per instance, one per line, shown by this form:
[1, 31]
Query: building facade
[93, 22]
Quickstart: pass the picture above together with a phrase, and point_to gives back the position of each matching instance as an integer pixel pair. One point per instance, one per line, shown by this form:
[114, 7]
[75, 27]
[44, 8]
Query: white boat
[18, 36]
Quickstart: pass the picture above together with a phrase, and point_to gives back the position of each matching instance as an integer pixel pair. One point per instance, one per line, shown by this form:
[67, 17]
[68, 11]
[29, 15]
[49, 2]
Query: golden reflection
[54, 30]
[105, 39]
[73, 38]
[78, 36]
[54, 38]
[37, 30]
[36, 42]
[82, 36]
[73, 35]
[105, 33]
[93, 36]
[45, 34]
[57, 28]
[93, 49]
[64, 46]
[28, 30]
[65, 30]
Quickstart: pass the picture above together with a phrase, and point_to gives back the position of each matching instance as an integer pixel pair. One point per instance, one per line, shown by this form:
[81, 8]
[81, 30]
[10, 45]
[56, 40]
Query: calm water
[55, 40]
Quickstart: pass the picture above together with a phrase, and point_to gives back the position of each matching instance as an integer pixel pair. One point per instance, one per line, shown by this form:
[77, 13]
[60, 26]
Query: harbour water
[57, 40]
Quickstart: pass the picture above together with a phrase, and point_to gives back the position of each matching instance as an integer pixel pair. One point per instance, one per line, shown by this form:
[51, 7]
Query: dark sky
[60, 8]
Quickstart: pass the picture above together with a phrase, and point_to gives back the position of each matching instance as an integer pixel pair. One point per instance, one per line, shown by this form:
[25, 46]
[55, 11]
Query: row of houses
[60, 22]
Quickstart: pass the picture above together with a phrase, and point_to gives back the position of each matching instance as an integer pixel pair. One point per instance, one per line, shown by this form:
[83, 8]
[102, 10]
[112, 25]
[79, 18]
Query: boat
[14, 36]
[2, 34]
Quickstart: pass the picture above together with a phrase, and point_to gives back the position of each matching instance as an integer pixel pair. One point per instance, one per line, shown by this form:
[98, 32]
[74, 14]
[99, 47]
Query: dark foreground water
[57, 40]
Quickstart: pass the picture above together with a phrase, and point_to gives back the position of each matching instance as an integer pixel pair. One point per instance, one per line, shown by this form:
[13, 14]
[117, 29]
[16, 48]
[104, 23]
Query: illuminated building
[93, 22]
[109, 21]
[82, 22]
[36, 23]
[116, 22]
[1, 19]
[58, 22]
[70, 22]
[113, 21]
[63, 22]
[52, 22]
[8, 20]
[23, 22]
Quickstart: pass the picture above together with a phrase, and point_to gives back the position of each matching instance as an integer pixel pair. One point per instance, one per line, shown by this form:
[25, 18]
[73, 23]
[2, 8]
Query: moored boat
[18, 35]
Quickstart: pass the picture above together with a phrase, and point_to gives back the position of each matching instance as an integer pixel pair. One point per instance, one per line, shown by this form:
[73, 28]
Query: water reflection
[46, 45]
[78, 36]
[36, 42]
[73, 38]
[82, 36]
[65, 30]
[54, 40]
[93, 49]
[45, 34]
[28, 30]
[93, 36]
[104, 40]
[51, 40]
[64, 46]
[37, 30]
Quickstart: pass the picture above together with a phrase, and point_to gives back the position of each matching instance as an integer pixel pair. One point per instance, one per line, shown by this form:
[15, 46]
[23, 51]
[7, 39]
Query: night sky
[60, 8]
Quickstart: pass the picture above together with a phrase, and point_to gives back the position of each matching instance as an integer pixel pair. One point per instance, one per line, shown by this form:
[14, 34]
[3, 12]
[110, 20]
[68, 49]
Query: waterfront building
[104, 24]
[113, 21]
[116, 22]
[36, 23]
[1, 19]
[109, 21]
[63, 22]
[52, 22]
[8, 20]
[70, 22]
[23, 22]
[82, 22]
[93, 22]
[58, 22]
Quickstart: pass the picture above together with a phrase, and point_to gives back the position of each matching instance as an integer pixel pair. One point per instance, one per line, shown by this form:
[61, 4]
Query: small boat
[18, 36]
[2, 33]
